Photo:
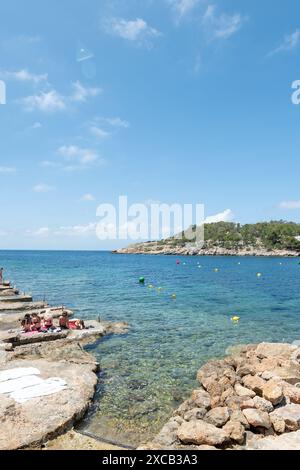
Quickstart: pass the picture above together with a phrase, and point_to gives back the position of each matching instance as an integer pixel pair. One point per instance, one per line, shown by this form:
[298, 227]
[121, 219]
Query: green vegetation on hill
[274, 235]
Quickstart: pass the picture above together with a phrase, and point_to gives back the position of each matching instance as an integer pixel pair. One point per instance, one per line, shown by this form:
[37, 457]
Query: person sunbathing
[26, 323]
[64, 321]
[36, 323]
[48, 323]
[76, 324]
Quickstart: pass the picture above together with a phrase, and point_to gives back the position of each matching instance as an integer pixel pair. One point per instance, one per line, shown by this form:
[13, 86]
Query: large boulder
[292, 392]
[217, 416]
[290, 414]
[257, 418]
[236, 431]
[201, 399]
[267, 350]
[262, 404]
[272, 391]
[243, 391]
[199, 432]
[255, 383]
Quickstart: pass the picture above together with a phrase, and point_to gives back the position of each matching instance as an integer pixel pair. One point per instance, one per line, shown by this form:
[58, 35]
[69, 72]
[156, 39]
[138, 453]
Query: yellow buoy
[235, 319]
[259, 274]
[150, 286]
[173, 296]
[216, 270]
[159, 289]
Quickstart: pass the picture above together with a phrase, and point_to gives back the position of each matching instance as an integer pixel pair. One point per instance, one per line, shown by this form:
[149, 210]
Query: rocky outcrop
[243, 398]
[158, 248]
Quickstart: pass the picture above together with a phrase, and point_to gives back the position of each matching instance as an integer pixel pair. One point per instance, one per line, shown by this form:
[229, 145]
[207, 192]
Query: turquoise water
[149, 371]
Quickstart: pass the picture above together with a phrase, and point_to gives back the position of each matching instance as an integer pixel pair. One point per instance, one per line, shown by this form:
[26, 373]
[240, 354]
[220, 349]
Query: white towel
[18, 372]
[48, 387]
[17, 384]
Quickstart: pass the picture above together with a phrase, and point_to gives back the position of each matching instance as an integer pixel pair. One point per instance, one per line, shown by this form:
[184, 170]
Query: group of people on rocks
[33, 323]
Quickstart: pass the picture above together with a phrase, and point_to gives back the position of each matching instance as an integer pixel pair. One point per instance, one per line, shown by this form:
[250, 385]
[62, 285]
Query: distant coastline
[151, 249]
[267, 239]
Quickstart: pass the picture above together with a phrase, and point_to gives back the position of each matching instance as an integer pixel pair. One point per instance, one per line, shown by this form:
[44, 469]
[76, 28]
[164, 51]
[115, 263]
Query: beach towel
[48, 387]
[13, 385]
[18, 372]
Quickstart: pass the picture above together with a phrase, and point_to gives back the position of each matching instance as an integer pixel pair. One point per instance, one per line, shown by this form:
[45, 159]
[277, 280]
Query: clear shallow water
[149, 371]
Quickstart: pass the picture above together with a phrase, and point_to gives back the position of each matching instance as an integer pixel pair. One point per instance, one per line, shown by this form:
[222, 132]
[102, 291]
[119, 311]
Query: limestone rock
[39, 419]
[236, 431]
[290, 415]
[201, 399]
[275, 349]
[292, 392]
[217, 416]
[273, 392]
[255, 383]
[243, 391]
[263, 405]
[195, 413]
[278, 424]
[239, 417]
[200, 432]
[257, 418]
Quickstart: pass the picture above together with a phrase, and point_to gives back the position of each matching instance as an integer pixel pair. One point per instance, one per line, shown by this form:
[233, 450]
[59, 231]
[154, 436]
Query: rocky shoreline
[246, 401]
[38, 421]
[155, 248]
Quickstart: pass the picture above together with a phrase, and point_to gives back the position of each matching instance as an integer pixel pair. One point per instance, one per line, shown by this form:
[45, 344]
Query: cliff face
[228, 239]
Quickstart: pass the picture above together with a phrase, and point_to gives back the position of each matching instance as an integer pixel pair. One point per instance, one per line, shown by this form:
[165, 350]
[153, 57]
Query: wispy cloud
[225, 216]
[7, 169]
[137, 30]
[289, 43]
[78, 158]
[88, 197]
[117, 122]
[41, 232]
[77, 230]
[81, 93]
[49, 101]
[182, 7]
[223, 25]
[289, 205]
[42, 188]
[46, 102]
[36, 125]
[98, 132]
[24, 76]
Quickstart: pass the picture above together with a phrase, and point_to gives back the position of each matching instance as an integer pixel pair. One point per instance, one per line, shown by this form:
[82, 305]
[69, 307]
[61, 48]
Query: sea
[179, 318]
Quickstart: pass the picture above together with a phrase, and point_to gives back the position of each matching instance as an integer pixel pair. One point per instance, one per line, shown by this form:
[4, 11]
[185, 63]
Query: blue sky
[183, 101]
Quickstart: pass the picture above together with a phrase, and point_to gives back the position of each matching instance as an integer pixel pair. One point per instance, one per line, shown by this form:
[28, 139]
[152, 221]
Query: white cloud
[289, 43]
[42, 188]
[24, 76]
[88, 197]
[78, 157]
[99, 133]
[3, 233]
[117, 122]
[221, 26]
[289, 205]
[36, 125]
[41, 232]
[7, 169]
[45, 101]
[225, 216]
[77, 230]
[183, 7]
[81, 93]
[133, 30]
